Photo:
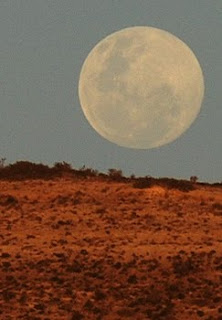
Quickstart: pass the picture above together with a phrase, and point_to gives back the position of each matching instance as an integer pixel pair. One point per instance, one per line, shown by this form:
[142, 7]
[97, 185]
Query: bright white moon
[141, 87]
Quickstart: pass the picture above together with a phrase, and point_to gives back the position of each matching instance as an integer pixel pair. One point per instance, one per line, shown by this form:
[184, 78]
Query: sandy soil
[92, 249]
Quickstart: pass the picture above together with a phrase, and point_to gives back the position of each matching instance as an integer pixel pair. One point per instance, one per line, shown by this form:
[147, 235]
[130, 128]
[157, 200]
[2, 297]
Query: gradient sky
[43, 45]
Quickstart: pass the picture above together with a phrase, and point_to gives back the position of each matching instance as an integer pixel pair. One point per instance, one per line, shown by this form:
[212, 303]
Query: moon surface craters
[141, 87]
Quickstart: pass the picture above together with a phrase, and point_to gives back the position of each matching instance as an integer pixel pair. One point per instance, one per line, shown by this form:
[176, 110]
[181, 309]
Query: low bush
[142, 183]
[182, 185]
[115, 174]
[25, 170]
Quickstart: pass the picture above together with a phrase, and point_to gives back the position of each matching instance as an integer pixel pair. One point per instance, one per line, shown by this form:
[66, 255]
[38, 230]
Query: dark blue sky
[42, 47]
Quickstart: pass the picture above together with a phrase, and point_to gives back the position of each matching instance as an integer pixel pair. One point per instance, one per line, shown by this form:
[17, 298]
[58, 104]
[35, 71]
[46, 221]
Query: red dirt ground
[90, 249]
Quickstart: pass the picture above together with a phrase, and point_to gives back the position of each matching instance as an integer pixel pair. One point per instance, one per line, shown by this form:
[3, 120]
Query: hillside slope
[92, 249]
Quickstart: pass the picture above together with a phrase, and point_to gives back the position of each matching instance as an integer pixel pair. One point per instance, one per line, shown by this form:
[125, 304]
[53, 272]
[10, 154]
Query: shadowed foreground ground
[92, 249]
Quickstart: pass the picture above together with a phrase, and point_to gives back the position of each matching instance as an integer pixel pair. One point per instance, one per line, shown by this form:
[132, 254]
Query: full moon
[141, 87]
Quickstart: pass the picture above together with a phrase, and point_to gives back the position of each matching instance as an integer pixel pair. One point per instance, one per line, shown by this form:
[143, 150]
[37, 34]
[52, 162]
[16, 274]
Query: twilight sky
[43, 45]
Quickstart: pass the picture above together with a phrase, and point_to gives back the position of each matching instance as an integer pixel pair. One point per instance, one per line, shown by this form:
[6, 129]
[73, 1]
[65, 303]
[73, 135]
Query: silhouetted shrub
[182, 185]
[169, 183]
[62, 166]
[193, 179]
[142, 183]
[25, 170]
[102, 175]
[87, 172]
[115, 174]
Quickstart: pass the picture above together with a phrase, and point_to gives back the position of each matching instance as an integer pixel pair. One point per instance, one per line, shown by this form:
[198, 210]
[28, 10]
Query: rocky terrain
[90, 248]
